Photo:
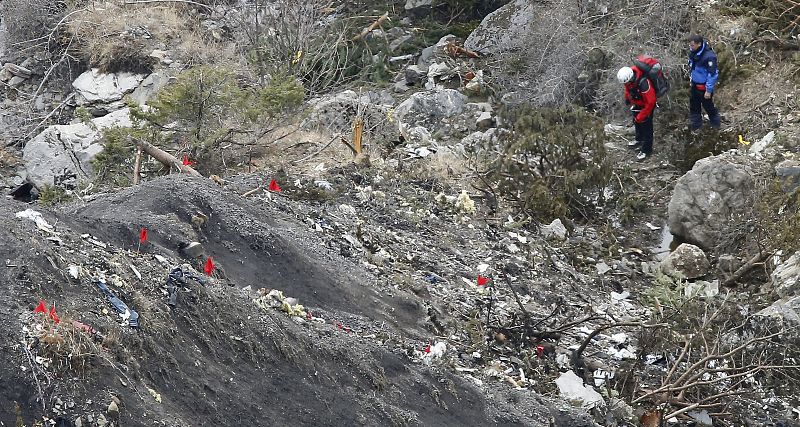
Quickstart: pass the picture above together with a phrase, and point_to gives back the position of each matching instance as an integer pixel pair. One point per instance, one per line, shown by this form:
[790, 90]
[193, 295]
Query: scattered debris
[130, 317]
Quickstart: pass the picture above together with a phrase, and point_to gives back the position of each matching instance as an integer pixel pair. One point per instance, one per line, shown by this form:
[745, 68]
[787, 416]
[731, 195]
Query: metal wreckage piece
[130, 315]
[177, 279]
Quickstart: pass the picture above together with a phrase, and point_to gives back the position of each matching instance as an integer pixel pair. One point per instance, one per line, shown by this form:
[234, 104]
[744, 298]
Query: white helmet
[625, 74]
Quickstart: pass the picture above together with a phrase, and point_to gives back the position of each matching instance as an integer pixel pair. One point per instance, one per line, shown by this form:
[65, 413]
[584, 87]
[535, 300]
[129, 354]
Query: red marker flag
[273, 186]
[53, 315]
[41, 308]
[482, 281]
[186, 161]
[142, 235]
[209, 268]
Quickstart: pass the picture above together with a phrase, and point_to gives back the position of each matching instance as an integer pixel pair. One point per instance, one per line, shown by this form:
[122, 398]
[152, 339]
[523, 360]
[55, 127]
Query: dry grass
[70, 351]
[115, 36]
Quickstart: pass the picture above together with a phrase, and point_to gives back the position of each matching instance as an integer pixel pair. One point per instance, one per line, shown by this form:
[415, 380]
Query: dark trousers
[697, 100]
[644, 134]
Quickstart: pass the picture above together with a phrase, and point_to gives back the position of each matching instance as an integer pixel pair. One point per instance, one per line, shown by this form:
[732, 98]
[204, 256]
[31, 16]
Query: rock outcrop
[706, 198]
[62, 155]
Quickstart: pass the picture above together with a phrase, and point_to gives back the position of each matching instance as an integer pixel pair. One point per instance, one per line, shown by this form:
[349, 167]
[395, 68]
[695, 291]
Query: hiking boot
[641, 156]
[633, 143]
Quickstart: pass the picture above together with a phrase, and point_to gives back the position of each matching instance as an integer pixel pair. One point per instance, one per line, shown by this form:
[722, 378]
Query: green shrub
[206, 107]
[554, 163]
[53, 195]
[114, 165]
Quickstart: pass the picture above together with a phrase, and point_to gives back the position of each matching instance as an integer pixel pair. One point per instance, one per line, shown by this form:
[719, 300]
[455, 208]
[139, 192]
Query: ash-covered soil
[218, 358]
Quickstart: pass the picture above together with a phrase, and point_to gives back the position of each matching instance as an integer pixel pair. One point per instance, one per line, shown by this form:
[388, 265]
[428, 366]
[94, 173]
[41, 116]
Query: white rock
[786, 277]
[63, 154]
[149, 87]
[94, 86]
[687, 261]
[555, 230]
[571, 387]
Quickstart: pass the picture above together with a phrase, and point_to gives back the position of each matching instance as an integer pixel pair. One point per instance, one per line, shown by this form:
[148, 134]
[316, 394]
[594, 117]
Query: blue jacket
[703, 64]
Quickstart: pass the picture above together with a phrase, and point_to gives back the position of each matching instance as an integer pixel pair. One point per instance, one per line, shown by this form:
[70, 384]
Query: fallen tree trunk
[755, 260]
[165, 158]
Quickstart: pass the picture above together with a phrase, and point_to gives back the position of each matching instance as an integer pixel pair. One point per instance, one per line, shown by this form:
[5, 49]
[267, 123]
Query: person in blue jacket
[704, 76]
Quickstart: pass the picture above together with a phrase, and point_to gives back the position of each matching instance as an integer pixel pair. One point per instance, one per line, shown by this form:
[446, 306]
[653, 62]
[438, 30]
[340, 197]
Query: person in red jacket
[641, 96]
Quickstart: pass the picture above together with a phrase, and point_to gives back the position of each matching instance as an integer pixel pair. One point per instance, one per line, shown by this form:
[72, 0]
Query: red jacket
[641, 94]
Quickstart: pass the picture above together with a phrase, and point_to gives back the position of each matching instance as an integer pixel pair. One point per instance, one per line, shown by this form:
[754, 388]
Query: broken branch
[372, 27]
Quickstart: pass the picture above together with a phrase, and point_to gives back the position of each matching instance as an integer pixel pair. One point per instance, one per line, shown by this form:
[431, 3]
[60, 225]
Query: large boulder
[788, 171]
[686, 261]
[504, 29]
[337, 113]
[708, 197]
[96, 87]
[786, 277]
[430, 106]
[786, 310]
[415, 7]
[61, 155]
[149, 87]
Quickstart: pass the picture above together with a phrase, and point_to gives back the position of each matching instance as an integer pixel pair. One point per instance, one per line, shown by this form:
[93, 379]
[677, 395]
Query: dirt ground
[218, 359]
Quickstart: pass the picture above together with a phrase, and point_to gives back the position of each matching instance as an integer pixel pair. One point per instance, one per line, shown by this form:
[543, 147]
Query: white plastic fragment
[74, 271]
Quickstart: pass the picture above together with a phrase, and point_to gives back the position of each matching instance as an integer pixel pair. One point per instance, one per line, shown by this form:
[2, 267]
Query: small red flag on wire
[482, 281]
[142, 235]
[273, 186]
[209, 268]
[53, 315]
[41, 308]
[186, 161]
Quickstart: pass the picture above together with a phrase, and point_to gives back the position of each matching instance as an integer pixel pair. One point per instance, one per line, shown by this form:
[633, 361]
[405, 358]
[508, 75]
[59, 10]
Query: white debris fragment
[347, 210]
[602, 268]
[619, 338]
[74, 271]
[136, 272]
[465, 204]
[562, 360]
[702, 417]
[652, 227]
[620, 354]
[37, 218]
[615, 297]
[325, 185]
[600, 377]
[571, 387]
[482, 268]
[161, 259]
[436, 352]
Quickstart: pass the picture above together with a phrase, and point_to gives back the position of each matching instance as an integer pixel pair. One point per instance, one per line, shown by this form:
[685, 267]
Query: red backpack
[653, 70]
